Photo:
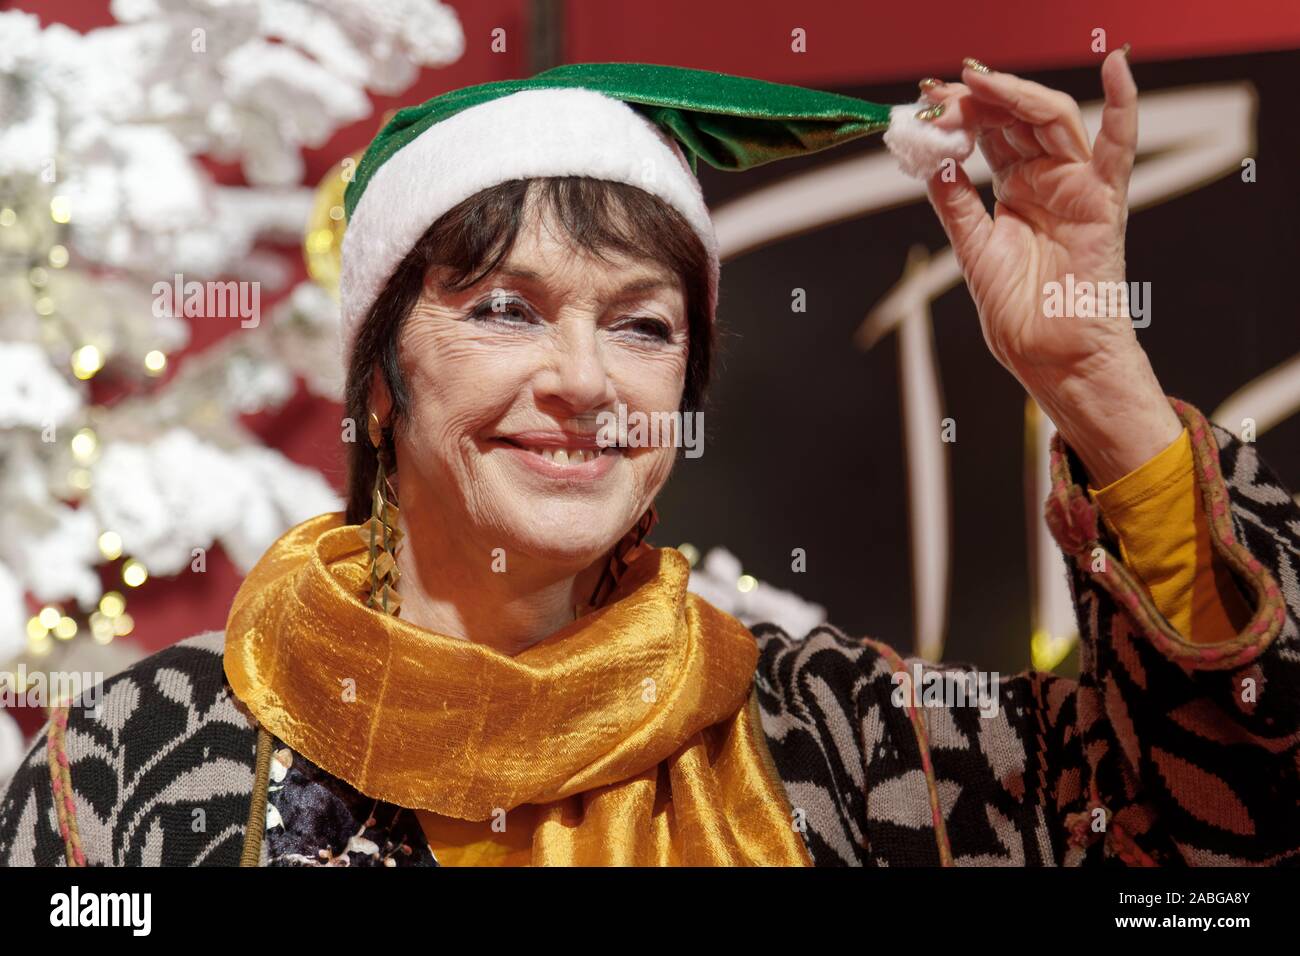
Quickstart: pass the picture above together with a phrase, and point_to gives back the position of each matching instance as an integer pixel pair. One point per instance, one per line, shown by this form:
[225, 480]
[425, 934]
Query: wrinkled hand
[1061, 210]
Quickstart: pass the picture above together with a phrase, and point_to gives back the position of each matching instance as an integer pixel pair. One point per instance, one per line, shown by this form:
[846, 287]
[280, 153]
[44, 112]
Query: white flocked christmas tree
[103, 194]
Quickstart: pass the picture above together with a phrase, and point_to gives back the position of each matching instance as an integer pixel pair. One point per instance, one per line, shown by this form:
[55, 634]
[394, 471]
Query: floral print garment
[315, 819]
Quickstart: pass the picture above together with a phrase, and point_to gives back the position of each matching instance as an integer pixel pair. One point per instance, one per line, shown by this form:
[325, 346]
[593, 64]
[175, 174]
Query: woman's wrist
[1116, 418]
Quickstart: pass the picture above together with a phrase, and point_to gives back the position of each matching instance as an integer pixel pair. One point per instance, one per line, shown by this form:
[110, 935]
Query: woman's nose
[576, 374]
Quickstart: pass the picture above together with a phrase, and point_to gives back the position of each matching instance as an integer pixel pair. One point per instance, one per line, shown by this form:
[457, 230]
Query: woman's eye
[650, 328]
[508, 310]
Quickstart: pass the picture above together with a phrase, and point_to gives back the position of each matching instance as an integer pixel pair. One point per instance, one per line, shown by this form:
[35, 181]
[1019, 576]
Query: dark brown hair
[471, 240]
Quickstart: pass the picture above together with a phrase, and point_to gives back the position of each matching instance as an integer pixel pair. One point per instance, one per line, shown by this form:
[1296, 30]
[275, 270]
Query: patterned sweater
[1162, 752]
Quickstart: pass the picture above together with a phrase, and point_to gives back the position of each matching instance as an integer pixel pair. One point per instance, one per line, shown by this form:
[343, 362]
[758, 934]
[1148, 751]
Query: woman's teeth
[567, 456]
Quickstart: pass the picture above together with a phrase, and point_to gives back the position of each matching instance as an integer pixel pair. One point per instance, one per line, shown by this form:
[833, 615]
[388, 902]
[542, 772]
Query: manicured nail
[973, 64]
[929, 83]
[930, 113]
[1125, 48]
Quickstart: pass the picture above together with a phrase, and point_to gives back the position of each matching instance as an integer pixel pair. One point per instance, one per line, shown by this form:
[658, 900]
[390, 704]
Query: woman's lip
[585, 471]
[553, 439]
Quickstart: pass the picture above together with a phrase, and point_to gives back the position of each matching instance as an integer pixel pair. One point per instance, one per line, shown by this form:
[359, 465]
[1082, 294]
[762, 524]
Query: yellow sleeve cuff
[1159, 476]
[1155, 512]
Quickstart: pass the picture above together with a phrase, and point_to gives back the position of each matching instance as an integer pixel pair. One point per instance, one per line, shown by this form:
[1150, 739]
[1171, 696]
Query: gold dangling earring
[382, 535]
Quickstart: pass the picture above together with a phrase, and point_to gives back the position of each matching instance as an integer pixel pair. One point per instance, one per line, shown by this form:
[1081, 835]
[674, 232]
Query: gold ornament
[322, 244]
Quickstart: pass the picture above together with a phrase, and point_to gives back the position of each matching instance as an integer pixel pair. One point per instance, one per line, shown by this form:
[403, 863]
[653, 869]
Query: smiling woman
[466, 250]
[524, 258]
[516, 319]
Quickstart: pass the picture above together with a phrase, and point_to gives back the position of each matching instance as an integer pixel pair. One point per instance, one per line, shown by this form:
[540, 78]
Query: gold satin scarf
[630, 736]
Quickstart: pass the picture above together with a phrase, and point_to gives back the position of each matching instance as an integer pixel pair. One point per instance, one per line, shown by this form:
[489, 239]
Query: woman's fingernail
[930, 83]
[973, 64]
[931, 112]
[1125, 48]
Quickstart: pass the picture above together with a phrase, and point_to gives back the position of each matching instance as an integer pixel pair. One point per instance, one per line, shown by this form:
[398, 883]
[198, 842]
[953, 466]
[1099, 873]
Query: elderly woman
[483, 662]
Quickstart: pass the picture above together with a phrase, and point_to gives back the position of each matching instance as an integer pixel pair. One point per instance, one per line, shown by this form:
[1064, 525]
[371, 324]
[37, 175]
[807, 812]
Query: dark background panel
[804, 444]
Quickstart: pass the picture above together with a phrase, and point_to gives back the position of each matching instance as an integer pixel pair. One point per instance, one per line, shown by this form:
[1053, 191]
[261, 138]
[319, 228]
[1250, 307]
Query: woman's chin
[573, 537]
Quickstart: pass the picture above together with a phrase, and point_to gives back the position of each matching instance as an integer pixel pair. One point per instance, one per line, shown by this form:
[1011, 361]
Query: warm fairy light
[134, 573]
[746, 583]
[319, 240]
[112, 604]
[110, 546]
[336, 213]
[49, 616]
[1046, 651]
[690, 553]
[86, 361]
[60, 209]
[101, 628]
[66, 629]
[37, 276]
[58, 256]
[84, 445]
[44, 305]
[35, 629]
[123, 625]
[79, 478]
[154, 362]
[8, 217]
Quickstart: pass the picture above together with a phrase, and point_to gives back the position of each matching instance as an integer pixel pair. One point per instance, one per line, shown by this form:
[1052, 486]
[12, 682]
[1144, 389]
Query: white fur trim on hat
[533, 133]
[921, 147]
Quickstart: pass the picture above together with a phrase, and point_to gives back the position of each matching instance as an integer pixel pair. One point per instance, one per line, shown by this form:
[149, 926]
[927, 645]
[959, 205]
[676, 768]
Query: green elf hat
[641, 124]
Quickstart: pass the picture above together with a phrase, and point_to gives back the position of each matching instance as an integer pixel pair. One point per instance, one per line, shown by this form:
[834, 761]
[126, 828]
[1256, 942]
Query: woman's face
[506, 383]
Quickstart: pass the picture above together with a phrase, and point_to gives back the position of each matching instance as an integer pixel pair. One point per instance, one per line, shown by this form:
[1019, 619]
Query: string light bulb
[110, 546]
[112, 604]
[1047, 650]
[86, 361]
[85, 443]
[134, 573]
[101, 628]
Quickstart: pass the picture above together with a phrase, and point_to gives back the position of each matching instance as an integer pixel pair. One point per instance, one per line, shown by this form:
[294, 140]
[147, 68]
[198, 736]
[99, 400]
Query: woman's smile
[558, 454]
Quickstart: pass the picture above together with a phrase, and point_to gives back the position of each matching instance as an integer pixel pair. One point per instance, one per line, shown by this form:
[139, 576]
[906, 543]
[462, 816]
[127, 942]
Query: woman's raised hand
[1058, 222]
